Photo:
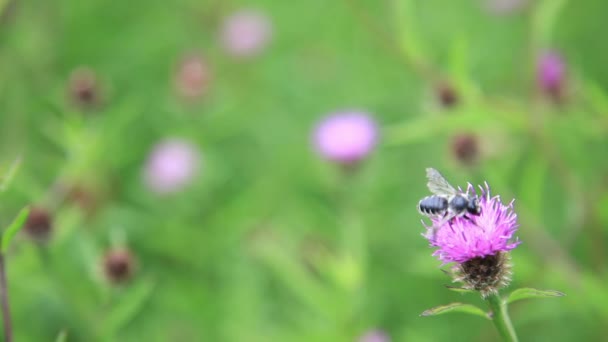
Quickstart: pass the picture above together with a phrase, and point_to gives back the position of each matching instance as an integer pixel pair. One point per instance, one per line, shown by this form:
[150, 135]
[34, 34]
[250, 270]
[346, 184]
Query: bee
[447, 202]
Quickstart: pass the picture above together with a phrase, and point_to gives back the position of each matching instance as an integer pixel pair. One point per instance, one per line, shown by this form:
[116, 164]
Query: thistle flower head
[479, 245]
[346, 137]
[463, 239]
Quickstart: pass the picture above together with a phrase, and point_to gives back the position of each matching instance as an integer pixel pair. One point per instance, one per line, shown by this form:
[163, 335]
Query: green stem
[501, 319]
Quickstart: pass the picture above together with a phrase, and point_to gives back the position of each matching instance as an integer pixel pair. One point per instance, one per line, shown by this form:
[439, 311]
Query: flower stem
[501, 318]
[6, 312]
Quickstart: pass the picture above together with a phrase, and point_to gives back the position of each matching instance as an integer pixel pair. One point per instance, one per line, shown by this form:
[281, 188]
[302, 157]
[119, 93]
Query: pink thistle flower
[171, 166]
[245, 33]
[346, 137]
[464, 239]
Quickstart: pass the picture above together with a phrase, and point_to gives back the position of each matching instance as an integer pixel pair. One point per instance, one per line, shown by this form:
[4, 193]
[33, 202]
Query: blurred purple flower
[346, 137]
[504, 6]
[551, 71]
[488, 234]
[374, 336]
[171, 165]
[245, 33]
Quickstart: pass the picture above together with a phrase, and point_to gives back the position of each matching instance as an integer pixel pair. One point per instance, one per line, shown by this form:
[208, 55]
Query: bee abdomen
[433, 205]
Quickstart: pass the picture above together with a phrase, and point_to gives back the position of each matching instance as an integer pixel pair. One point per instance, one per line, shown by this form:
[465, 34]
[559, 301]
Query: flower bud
[465, 149]
[118, 265]
[446, 94]
[84, 89]
[39, 224]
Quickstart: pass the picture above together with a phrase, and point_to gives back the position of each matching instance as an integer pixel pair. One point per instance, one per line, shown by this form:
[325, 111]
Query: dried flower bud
[446, 94]
[465, 148]
[84, 89]
[119, 265]
[39, 224]
[85, 197]
[192, 77]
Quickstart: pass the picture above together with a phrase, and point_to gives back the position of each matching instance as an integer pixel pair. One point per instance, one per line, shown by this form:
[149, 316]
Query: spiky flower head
[479, 245]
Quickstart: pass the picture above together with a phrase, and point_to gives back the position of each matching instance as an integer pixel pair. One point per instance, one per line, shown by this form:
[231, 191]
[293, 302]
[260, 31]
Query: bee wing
[437, 183]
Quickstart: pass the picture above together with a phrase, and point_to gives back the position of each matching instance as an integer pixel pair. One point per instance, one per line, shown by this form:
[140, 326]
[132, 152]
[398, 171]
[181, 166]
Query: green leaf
[525, 293]
[62, 336]
[409, 38]
[458, 289]
[455, 307]
[543, 20]
[131, 303]
[10, 174]
[15, 226]
[474, 120]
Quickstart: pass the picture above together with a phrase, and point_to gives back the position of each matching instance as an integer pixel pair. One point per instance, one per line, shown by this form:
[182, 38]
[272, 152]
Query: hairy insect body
[447, 202]
[433, 205]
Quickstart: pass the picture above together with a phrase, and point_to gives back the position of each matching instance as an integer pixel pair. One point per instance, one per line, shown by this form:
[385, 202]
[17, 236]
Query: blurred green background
[270, 241]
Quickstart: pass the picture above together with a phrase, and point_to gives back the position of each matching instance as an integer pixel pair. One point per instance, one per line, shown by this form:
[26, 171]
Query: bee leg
[466, 217]
[447, 218]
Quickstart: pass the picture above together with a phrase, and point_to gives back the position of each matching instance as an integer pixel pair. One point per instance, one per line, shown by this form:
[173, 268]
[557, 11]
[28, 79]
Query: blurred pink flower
[550, 72]
[171, 165]
[374, 336]
[346, 137]
[245, 33]
[504, 6]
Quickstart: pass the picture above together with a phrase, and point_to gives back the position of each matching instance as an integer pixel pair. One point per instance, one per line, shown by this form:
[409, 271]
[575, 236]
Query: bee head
[473, 206]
